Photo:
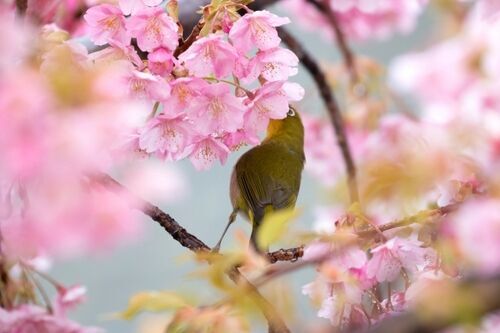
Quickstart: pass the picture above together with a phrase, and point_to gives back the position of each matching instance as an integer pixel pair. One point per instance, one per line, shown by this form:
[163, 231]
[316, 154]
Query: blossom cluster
[359, 19]
[346, 283]
[204, 108]
[26, 317]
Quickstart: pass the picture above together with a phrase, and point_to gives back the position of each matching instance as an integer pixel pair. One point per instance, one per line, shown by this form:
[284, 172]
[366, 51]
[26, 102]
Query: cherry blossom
[210, 55]
[206, 152]
[269, 102]
[184, 91]
[133, 6]
[242, 137]
[396, 253]
[256, 29]
[276, 64]
[106, 23]
[65, 13]
[30, 318]
[167, 137]
[153, 29]
[161, 61]
[219, 109]
[341, 306]
[68, 298]
[148, 86]
[117, 52]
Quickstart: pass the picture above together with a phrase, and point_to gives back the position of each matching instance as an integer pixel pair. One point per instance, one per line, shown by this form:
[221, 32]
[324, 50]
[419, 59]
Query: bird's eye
[291, 112]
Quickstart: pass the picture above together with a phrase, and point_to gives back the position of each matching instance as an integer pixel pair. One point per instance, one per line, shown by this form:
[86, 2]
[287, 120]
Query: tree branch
[363, 235]
[292, 254]
[331, 104]
[190, 39]
[181, 235]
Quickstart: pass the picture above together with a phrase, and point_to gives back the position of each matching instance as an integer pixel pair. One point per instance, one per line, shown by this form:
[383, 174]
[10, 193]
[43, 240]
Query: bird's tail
[253, 241]
[256, 222]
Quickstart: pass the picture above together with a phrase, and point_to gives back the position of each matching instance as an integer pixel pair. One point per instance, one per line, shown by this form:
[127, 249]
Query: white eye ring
[291, 113]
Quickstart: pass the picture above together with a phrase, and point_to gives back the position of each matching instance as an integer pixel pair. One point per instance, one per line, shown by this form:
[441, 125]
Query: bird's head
[289, 129]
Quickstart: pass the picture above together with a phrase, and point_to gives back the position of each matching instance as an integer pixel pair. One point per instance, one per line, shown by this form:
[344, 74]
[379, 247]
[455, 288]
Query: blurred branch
[181, 235]
[331, 104]
[21, 6]
[348, 56]
[467, 301]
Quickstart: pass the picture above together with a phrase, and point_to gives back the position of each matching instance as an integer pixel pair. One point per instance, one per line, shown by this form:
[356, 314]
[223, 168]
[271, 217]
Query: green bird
[267, 177]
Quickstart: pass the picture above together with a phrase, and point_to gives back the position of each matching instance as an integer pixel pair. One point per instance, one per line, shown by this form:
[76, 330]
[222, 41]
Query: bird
[267, 177]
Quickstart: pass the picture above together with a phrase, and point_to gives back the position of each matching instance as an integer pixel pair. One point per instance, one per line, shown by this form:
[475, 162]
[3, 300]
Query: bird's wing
[260, 190]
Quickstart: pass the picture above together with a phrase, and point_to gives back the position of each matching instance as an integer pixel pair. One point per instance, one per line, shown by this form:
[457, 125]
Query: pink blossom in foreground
[153, 29]
[217, 110]
[117, 52]
[167, 137]
[206, 152]
[63, 221]
[31, 318]
[16, 39]
[161, 61]
[52, 140]
[342, 304]
[132, 6]
[396, 253]
[270, 102]
[256, 29]
[242, 137]
[276, 64]
[210, 55]
[64, 13]
[106, 23]
[184, 91]
[476, 226]
[68, 298]
[148, 86]
[23, 146]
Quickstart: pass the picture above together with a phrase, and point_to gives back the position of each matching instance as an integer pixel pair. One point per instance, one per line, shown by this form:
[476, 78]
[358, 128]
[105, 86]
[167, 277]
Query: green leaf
[274, 226]
[154, 301]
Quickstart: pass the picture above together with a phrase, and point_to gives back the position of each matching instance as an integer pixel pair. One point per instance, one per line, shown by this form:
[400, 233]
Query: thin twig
[181, 235]
[331, 104]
